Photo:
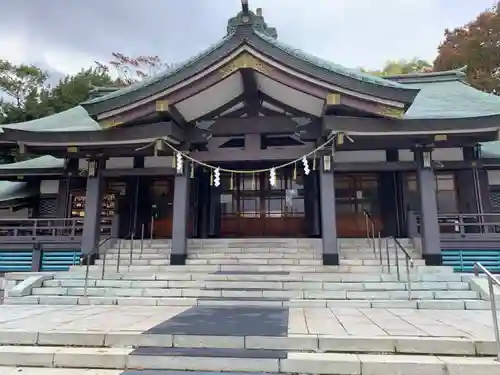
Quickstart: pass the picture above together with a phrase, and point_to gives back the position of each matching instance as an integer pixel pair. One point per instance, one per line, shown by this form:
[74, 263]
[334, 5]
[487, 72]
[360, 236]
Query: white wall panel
[158, 161]
[360, 156]
[119, 163]
[494, 177]
[49, 186]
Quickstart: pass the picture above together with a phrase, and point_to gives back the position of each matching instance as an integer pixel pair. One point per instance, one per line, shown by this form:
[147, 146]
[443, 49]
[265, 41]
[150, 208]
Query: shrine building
[255, 138]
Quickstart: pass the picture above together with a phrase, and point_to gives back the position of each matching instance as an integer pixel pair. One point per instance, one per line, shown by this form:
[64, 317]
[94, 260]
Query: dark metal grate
[495, 200]
[47, 207]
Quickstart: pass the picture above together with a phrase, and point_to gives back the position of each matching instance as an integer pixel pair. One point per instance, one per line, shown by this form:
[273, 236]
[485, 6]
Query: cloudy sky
[67, 35]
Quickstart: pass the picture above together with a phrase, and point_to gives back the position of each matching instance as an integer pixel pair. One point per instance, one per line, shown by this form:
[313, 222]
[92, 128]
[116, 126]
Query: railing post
[396, 251]
[388, 257]
[85, 285]
[142, 240]
[380, 248]
[373, 240]
[151, 230]
[367, 229]
[103, 263]
[131, 247]
[494, 315]
[119, 255]
[408, 278]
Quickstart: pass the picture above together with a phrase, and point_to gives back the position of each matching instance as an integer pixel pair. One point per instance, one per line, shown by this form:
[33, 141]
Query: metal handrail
[410, 263]
[130, 234]
[87, 258]
[491, 280]
[370, 234]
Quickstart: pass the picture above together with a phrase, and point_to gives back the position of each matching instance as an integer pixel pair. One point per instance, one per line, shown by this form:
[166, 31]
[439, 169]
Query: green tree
[132, 69]
[475, 45]
[74, 89]
[20, 84]
[397, 67]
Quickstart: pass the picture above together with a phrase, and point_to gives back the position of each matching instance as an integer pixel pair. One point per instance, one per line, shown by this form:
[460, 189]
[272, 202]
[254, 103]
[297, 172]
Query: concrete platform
[286, 340]
[342, 322]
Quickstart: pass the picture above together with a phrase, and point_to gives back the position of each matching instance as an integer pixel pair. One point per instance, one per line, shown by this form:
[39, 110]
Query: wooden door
[353, 194]
[250, 207]
[162, 194]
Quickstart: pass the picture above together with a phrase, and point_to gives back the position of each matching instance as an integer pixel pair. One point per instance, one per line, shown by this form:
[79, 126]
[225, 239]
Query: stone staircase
[258, 273]
[255, 306]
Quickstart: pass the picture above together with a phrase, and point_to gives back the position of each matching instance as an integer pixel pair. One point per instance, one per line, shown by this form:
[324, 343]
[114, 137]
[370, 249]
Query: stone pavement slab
[391, 322]
[338, 322]
[59, 371]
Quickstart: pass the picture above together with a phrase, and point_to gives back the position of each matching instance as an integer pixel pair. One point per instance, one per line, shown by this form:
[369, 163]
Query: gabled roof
[42, 162]
[447, 95]
[74, 119]
[10, 191]
[249, 30]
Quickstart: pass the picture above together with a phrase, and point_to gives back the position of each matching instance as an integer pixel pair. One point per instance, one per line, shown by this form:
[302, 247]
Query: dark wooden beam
[251, 91]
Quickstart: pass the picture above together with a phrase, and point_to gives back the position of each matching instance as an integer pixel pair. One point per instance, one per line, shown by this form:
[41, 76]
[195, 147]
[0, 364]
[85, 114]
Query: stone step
[96, 274]
[276, 361]
[257, 261]
[377, 294]
[305, 343]
[18, 370]
[259, 285]
[233, 302]
[269, 268]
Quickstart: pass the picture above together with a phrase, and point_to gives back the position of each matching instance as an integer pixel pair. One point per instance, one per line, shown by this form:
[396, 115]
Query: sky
[67, 35]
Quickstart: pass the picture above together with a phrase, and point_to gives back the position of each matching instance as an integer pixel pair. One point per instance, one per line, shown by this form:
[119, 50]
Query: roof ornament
[244, 7]
[247, 21]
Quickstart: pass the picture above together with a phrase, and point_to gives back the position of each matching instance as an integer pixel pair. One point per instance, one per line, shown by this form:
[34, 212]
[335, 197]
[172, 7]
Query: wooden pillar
[180, 218]
[93, 202]
[429, 225]
[328, 214]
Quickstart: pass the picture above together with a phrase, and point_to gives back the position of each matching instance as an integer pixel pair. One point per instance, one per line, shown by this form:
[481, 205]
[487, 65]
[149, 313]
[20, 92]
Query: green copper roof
[490, 149]
[325, 64]
[451, 99]
[74, 119]
[167, 73]
[14, 190]
[41, 162]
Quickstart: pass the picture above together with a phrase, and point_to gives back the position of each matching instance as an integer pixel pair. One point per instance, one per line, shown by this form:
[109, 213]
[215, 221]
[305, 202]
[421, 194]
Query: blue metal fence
[463, 260]
[16, 261]
[59, 260]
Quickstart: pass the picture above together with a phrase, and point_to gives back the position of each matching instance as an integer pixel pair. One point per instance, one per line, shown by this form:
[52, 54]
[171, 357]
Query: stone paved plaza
[476, 325]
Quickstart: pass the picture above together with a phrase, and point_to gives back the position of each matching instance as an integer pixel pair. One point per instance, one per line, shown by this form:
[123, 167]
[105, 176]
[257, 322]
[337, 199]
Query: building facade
[254, 138]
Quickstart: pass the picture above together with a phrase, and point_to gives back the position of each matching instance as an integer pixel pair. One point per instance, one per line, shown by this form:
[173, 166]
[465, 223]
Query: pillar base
[433, 259]
[177, 259]
[331, 259]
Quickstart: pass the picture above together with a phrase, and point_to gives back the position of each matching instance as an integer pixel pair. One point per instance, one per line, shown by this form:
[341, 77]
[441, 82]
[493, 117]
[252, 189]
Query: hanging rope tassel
[234, 171]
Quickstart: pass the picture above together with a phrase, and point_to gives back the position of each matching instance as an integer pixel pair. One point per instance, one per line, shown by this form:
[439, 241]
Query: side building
[254, 138]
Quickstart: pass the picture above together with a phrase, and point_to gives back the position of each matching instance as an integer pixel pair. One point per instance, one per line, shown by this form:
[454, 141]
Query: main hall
[253, 138]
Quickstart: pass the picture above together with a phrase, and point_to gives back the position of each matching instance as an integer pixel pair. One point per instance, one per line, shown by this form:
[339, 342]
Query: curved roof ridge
[75, 119]
[328, 65]
[162, 75]
[421, 77]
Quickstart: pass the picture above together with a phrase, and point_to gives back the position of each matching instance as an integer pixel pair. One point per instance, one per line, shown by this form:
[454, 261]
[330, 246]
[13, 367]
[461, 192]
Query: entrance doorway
[251, 207]
[162, 197]
[354, 193]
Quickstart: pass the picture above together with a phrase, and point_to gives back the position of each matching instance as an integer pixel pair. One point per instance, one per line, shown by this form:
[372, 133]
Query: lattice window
[47, 207]
[495, 198]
